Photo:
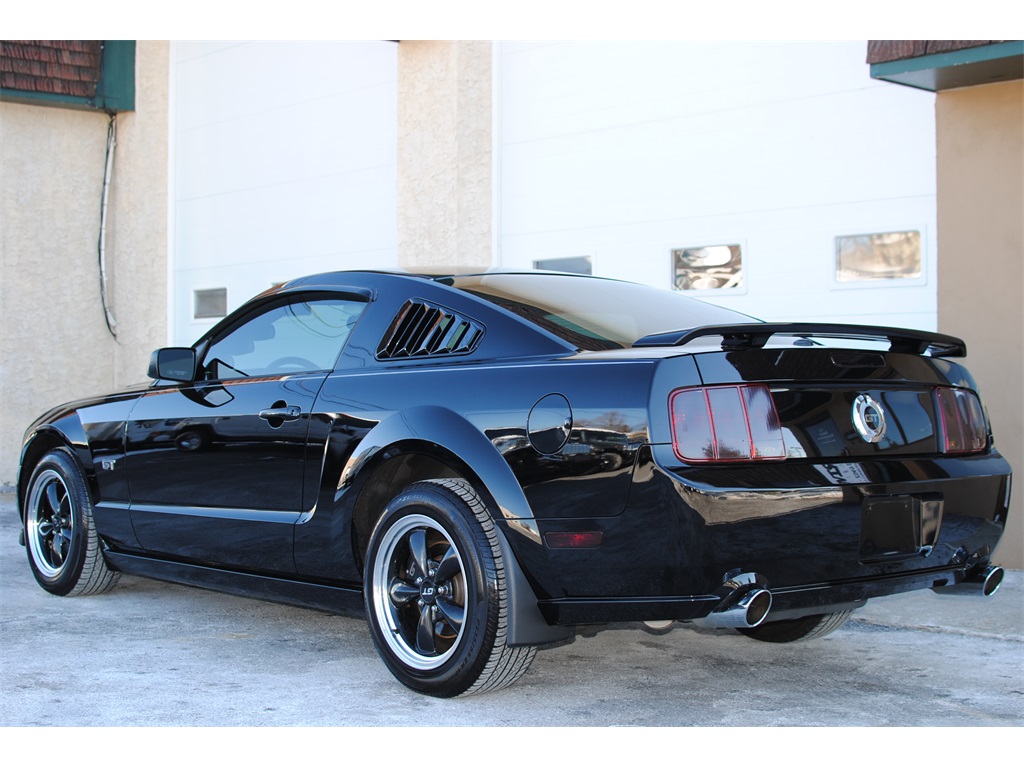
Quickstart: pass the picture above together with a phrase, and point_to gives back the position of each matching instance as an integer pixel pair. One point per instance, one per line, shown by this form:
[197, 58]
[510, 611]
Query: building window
[884, 256]
[212, 302]
[579, 265]
[707, 267]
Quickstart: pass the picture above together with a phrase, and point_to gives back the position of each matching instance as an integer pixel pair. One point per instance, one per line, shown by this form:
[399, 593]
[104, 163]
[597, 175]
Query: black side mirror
[173, 363]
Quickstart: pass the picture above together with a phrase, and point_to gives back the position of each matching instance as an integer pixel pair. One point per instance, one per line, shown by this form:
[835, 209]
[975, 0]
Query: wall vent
[421, 329]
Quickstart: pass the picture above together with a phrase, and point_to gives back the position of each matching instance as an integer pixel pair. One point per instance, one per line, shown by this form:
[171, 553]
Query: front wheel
[63, 547]
[804, 628]
[435, 591]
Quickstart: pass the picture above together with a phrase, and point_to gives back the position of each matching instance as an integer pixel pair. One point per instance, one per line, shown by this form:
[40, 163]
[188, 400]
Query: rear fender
[452, 434]
[451, 438]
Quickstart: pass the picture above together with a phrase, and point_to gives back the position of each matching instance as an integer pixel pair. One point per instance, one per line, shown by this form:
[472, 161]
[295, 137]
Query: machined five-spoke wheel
[50, 526]
[63, 548]
[419, 591]
[436, 598]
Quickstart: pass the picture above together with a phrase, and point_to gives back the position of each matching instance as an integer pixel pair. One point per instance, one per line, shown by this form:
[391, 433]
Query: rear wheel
[804, 628]
[60, 537]
[436, 598]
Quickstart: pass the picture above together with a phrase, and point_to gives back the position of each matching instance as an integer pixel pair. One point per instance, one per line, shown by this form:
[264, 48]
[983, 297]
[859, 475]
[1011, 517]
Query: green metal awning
[980, 65]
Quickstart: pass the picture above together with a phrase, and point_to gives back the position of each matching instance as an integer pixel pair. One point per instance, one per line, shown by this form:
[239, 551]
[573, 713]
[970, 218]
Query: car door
[216, 465]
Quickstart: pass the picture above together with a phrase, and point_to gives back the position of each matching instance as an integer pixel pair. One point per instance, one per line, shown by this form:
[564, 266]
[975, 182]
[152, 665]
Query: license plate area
[899, 527]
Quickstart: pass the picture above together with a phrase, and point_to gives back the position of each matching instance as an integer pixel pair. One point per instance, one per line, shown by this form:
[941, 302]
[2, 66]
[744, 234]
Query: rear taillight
[962, 424]
[730, 423]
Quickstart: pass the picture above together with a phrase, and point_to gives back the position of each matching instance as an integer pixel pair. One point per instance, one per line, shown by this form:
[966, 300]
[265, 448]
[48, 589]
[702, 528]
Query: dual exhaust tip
[744, 603]
[983, 582]
[754, 604]
[749, 611]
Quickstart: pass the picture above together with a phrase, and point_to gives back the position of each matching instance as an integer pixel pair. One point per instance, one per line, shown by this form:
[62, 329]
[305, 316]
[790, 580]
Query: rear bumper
[800, 527]
[787, 602]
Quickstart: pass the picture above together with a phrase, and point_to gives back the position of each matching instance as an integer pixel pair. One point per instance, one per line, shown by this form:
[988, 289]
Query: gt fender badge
[869, 418]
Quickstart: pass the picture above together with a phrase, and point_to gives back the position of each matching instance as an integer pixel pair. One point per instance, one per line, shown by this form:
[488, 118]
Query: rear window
[594, 313]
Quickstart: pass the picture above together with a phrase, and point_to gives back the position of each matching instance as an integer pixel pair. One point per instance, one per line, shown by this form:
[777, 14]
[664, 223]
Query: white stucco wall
[284, 160]
[284, 165]
[624, 151]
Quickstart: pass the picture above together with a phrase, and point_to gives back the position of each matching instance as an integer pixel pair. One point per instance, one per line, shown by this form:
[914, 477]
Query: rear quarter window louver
[421, 329]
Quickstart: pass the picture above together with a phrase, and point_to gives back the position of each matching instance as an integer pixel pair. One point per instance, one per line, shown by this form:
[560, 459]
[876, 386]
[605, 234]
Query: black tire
[60, 537]
[804, 628]
[435, 592]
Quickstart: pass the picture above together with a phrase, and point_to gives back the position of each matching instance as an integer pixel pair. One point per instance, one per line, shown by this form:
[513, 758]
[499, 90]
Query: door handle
[280, 413]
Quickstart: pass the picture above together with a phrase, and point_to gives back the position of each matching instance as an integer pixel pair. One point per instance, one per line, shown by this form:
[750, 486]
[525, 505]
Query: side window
[293, 338]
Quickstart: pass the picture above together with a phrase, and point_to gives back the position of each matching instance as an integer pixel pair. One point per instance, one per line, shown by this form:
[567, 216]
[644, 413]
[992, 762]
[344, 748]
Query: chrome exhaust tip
[983, 583]
[749, 611]
[756, 605]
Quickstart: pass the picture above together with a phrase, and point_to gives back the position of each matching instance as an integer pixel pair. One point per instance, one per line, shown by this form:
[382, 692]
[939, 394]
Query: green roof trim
[115, 91]
[981, 65]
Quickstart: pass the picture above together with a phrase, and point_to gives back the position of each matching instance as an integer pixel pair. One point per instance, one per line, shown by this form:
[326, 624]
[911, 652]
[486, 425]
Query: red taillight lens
[730, 423]
[961, 421]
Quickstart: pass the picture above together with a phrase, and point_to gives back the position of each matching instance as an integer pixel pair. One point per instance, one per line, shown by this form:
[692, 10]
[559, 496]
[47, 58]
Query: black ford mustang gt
[484, 463]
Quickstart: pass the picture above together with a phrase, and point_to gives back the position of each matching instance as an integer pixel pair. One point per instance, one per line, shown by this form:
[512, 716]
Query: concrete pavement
[150, 653]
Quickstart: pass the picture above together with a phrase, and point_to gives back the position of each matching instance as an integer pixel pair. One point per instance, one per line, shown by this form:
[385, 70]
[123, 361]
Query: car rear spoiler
[756, 335]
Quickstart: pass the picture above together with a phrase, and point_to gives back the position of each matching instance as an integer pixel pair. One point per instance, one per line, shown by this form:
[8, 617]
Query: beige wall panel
[137, 224]
[444, 155]
[55, 343]
[980, 145]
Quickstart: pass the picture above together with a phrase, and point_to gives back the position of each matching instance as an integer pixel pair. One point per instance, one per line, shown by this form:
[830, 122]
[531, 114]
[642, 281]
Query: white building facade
[777, 179]
[282, 164]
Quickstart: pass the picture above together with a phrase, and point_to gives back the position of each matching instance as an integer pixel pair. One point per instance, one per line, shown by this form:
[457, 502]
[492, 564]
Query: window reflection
[708, 267]
[884, 256]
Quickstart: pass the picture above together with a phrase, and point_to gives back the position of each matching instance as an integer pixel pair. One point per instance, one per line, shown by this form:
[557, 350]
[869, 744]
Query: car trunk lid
[842, 403]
